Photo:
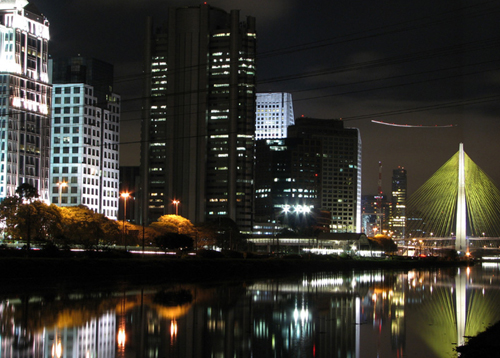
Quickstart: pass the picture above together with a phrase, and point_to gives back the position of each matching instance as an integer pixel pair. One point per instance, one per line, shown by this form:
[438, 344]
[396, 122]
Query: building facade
[25, 98]
[199, 120]
[85, 141]
[397, 222]
[340, 187]
[274, 113]
[287, 184]
[375, 211]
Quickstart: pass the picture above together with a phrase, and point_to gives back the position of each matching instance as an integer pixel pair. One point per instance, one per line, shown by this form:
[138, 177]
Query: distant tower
[273, 115]
[85, 138]
[397, 221]
[25, 96]
[199, 125]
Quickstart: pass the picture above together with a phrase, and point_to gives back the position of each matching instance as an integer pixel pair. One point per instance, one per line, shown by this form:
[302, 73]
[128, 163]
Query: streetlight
[125, 197]
[61, 184]
[176, 203]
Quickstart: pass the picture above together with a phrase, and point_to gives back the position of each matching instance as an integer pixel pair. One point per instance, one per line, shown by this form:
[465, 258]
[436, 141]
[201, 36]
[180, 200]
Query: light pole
[125, 197]
[61, 184]
[176, 203]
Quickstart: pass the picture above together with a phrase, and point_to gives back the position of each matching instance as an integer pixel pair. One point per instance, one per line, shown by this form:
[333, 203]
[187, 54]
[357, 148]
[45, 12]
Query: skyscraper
[397, 222]
[199, 119]
[287, 181]
[340, 190]
[274, 114]
[25, 98]
[85, 135]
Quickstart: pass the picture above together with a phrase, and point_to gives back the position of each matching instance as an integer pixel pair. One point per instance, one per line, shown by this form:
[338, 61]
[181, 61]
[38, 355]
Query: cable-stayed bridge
[458, 206]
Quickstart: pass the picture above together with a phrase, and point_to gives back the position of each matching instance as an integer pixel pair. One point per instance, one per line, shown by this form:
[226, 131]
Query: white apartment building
[274, 113]
[84, 151]
[24, 98]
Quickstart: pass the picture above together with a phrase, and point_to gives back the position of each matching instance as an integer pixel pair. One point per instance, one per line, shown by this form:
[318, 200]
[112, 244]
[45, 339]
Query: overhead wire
[422, 55]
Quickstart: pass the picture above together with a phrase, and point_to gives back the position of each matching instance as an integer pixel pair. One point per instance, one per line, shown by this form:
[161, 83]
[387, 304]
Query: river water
[417, 313]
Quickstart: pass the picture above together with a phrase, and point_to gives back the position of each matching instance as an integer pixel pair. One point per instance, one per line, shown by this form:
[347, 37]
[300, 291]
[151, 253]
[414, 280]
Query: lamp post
[176, 203]
[61, 184]
[125, 197]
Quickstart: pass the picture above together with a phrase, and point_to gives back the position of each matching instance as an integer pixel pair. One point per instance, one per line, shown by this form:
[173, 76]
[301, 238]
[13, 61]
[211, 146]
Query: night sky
[430, 63]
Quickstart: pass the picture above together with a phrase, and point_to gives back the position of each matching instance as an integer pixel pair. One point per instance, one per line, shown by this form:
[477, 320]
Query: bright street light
[61, 185]
[176, 203]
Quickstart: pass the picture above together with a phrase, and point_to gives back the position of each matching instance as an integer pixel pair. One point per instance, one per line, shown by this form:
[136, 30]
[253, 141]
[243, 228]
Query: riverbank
[49, 271]
[484, 345]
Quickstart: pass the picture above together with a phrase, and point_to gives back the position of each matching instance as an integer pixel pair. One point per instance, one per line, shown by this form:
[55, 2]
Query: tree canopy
[84, 227]
[384, 242]
[175, 224]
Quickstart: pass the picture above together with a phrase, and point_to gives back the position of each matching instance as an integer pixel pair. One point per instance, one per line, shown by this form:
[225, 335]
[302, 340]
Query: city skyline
[431, 61]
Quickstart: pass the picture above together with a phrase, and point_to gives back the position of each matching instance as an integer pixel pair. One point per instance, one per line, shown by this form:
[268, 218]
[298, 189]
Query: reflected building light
[369, 278]
[121, 337]
[303, 315]
[324, 282]
[57, 349]
[173, 329]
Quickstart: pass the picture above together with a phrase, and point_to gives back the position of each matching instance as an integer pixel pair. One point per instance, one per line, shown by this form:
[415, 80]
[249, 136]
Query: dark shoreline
[35, 271]
[484, 345]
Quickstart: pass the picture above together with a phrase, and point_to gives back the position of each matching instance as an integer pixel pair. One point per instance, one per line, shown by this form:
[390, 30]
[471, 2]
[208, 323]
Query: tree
[206, 235]
[174, 241]
[48, 223]
[27, 192]
[135, 234]
[229, 236]
[8, 210]
[174, 223]
[30, 220]
[384, 242]
[84, 227]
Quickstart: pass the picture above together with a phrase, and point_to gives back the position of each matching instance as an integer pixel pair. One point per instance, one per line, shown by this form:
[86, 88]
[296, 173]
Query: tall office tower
[85, 136]
[25, 94]
[397, 222]
[373, 216]
[273, 115]
[198, 132]
[287, 181]
[340, 169]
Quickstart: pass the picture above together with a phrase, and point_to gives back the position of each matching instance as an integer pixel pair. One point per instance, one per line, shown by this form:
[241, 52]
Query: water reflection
[353, 314]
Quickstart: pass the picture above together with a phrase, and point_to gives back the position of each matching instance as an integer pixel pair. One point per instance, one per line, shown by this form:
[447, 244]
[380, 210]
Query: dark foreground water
[352, 314]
